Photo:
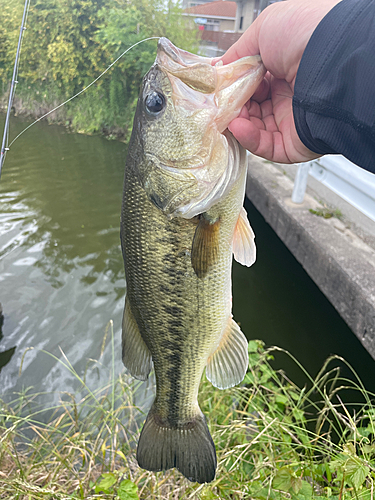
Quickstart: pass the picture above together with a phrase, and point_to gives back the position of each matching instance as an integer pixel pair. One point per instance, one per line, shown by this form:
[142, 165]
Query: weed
[327, 213]
[274, 440]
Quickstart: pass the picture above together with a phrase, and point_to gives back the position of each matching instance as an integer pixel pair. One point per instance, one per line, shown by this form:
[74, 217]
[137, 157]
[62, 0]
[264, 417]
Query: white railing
[354, 184]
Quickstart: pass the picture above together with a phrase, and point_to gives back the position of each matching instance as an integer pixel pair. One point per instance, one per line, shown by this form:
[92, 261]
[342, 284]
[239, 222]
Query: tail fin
[188, 448]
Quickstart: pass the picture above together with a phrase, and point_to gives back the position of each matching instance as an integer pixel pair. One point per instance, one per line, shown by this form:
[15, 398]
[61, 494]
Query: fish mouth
[229, 86]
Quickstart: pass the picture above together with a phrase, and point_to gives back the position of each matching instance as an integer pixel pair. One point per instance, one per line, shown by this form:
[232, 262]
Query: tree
[68, 43]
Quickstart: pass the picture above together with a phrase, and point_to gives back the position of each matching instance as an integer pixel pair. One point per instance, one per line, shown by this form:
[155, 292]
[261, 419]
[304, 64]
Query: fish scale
[181, 221]
[172, 302]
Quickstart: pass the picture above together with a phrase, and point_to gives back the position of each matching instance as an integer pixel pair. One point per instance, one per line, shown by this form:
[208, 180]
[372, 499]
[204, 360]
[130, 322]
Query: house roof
[220, 9]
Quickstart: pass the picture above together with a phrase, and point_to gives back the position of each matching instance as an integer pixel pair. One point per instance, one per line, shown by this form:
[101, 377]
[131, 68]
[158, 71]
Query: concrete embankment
[338, 253]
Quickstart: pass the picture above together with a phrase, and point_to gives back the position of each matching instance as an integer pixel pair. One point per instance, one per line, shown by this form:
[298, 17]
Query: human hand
[280, 35]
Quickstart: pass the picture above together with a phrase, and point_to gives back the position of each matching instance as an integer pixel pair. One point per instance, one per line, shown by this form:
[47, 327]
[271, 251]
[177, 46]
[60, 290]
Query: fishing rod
[13, 84]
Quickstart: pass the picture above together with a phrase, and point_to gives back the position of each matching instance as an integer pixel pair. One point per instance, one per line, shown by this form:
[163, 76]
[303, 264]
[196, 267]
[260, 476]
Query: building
[214, 16]
[222, 22]
[248, 10]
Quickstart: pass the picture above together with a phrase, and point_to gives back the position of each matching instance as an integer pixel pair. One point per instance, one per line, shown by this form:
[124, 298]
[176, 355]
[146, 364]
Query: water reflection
[61, 270]
[68, 198]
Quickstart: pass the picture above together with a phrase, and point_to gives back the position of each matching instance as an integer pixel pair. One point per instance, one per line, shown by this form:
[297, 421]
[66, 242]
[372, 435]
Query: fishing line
[83, 90]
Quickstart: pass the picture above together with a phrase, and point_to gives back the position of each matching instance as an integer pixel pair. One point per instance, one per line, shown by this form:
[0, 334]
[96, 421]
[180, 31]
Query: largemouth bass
[182, 219]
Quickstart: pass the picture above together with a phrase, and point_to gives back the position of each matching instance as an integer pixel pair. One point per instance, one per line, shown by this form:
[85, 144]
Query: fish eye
[155, 102]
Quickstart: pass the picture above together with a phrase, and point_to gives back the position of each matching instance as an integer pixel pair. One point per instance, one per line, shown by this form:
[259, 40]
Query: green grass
[274, 440]
[327, 213]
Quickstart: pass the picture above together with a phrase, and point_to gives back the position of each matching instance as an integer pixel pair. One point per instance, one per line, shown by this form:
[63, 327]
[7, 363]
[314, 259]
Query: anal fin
[205, 248]
[244, 248]
[135, 354]
[227, 366]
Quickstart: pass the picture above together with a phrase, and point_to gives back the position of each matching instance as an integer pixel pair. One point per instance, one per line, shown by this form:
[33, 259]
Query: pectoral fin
[205, 249]
[227, 366]
[135, 354]
[244, 248]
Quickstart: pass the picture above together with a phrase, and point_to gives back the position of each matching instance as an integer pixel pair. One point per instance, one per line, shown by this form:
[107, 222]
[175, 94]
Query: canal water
[62, 277]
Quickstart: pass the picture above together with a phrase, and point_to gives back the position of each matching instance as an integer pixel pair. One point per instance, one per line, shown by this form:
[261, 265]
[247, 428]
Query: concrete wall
[248, 14]
[339, 259]
[227, 25]
[245, 9]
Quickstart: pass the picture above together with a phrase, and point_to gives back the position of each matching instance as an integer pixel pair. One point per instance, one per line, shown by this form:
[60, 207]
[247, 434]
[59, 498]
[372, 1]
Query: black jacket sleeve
[334, 94]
